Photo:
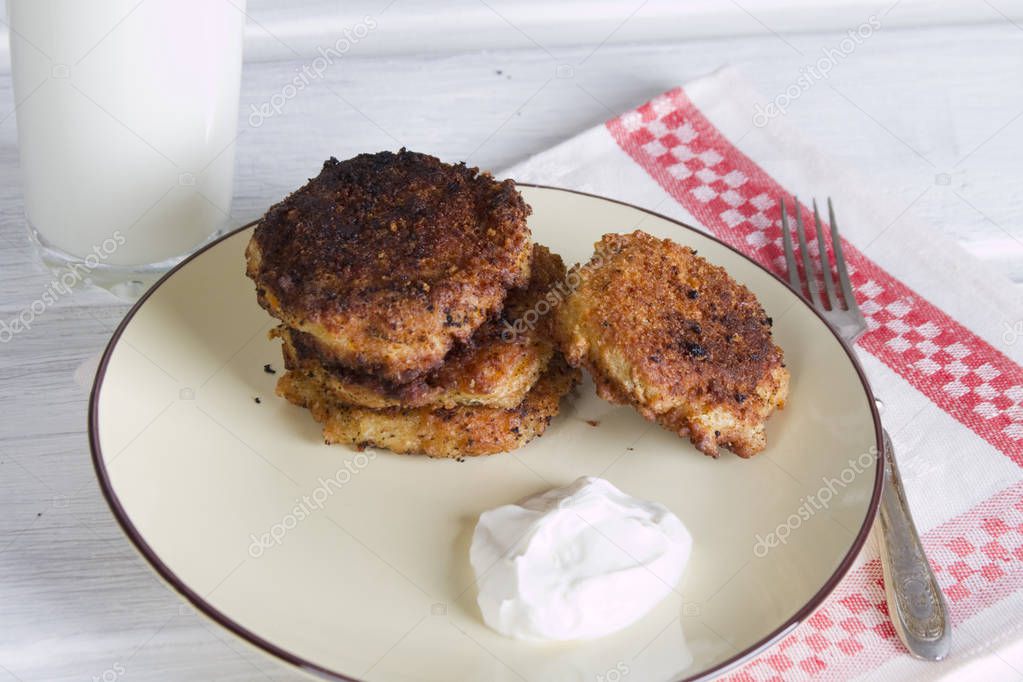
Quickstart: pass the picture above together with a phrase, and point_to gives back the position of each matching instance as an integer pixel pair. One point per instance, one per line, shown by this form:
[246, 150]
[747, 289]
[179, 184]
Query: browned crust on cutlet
[497, 366]
[741, 429]
[663, 330]
[459, 432]
[390, 259]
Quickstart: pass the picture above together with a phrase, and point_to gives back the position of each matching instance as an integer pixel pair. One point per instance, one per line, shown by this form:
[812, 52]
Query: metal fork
[915, 603]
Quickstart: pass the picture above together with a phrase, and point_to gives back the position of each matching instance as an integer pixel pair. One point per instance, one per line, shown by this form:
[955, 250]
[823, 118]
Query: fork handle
[915, 603]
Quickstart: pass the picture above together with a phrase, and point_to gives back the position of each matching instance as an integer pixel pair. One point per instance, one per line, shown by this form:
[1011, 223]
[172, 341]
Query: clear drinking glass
[127, 117]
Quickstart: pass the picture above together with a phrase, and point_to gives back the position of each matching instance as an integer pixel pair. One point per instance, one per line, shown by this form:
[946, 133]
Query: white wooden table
[935, 113]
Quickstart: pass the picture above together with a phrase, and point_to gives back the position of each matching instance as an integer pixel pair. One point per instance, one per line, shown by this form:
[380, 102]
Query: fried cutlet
[456, 432]
[390, 259]
[495, 368]
[663, 330]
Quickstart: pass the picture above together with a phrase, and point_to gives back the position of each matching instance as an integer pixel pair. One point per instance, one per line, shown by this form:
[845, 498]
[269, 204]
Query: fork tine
[843, 272]
[811, 274]
[822, 249]
[790, 258]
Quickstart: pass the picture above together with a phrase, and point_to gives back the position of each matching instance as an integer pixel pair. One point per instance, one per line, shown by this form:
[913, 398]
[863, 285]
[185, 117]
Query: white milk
[126, 122]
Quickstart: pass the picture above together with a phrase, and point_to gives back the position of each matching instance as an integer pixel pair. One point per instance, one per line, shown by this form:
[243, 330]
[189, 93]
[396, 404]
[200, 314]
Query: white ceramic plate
[355, 565]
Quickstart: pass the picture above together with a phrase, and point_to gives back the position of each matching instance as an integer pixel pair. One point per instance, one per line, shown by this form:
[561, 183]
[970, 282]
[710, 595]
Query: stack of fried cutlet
[402, 284]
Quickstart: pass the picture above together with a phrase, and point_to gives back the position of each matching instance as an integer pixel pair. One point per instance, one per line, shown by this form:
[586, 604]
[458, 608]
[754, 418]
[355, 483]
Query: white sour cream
[577, 562]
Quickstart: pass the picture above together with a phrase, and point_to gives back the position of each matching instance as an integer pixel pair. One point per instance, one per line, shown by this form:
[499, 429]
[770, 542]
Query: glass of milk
[127, 119]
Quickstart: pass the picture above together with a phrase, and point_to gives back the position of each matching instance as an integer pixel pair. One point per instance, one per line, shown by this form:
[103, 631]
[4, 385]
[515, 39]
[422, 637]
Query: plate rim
[208, 610]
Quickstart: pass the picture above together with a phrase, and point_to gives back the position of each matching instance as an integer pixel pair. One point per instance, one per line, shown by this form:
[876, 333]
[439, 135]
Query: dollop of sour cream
[577, 562]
